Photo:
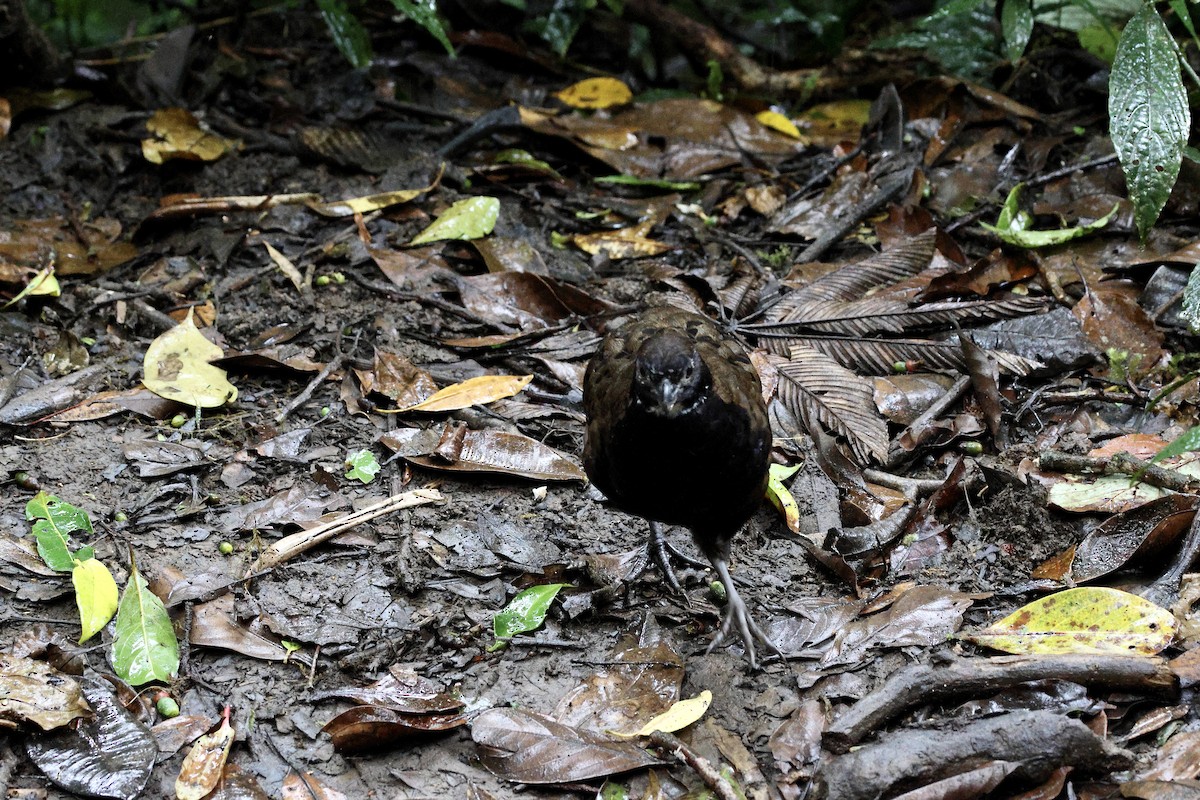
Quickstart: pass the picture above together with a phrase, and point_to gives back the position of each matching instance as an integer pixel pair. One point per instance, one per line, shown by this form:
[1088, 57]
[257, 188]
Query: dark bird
[678, 433]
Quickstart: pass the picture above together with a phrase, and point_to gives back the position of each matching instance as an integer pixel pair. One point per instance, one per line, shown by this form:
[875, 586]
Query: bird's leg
[661, 551]
[737, 617]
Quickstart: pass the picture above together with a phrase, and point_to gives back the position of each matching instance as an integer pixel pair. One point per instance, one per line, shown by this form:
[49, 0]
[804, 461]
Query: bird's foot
[737, 619]
[661, 552]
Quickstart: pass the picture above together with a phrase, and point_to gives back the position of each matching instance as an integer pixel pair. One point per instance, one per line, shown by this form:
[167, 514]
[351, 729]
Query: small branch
[698, 763]
[1119, 464]
[921, 684]
[291, 546]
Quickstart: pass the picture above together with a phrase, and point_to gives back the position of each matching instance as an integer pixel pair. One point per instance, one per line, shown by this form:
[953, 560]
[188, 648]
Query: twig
[1119, 464]
[698, 763]
[291, 546]
[334, 364]
[921, 428]
[912, 488]
[922, 683]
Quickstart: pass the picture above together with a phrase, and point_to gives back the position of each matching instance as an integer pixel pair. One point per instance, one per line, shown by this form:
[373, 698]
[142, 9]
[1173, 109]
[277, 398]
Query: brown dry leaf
[922, 616]
[366, 728]
[203, 765]
[476, 391]
[402, 689]
[1133, 535]
[177, 134]
[399, 380]
[171, 735]
[526, 300]
[504, 254]
[35, 692]
[1113, 320]
[214, 624]
[457, 449]
[89, 248]
[677, 138]
[823, 393]
[529, 748]
[637, 682]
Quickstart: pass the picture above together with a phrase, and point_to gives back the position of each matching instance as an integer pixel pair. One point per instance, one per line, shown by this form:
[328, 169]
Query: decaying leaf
[177, 367]
[529, 748]
[1089, 619]
[458, 449]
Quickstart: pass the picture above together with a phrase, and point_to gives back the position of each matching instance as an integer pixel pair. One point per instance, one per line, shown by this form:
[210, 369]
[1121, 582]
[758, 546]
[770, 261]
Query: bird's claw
[737, 619]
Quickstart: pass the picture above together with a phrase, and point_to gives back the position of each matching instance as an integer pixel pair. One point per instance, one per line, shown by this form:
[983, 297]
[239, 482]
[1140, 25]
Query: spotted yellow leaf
[780, 497]
[596, 93]
[176, 367]
[1091, 619]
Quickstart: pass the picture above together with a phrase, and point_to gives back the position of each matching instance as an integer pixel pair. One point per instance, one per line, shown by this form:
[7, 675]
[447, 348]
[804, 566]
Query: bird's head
[669, 376]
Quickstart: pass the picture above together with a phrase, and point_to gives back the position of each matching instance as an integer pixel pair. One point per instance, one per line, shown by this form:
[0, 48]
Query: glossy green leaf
[466, 219]
[347, 33]
[1148, 113]
[145, 648]
[1016, 22]
[424, 13]
[54, 522]
[1187, 441]
[526, 611]
[95, 595]
[1012, 226]
[1191, 300]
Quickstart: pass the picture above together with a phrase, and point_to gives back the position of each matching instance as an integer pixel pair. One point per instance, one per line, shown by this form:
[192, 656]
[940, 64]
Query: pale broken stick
[290, 546]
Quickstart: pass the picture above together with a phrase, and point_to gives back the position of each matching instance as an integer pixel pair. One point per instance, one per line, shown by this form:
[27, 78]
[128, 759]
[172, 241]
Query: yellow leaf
[473, 392]
[780, 497]
[204, 763]
[677, 717]
[177, 134]
[1091, 619]
[95, 594]
[596, 93]
[286, 267]
[176, 367]
[43, 284]
[778, 122]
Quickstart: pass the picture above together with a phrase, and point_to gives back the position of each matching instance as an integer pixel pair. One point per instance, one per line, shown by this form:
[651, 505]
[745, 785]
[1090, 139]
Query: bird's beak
[669, 399]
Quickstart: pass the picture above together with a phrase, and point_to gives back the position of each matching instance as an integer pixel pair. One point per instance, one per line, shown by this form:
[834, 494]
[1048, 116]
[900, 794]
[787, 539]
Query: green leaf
[559, 26]
[347, 33]
[467, 219]
[960, 35]
[363, 466]
[95, 595]
[424, 13]
[1016, 21]
[526, 611]
[145, 648]
[1191, 300]
[1187, 441]
[1012, 226]
[1148, 114]
[653, 183]
[54, 523]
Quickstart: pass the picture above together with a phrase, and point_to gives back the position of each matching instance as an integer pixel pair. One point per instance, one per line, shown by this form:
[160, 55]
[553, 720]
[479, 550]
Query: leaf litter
[385, 595]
